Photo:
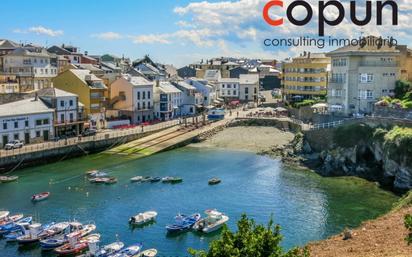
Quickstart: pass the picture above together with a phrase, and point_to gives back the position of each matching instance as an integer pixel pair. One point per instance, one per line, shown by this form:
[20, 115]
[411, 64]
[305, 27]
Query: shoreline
[368, 239]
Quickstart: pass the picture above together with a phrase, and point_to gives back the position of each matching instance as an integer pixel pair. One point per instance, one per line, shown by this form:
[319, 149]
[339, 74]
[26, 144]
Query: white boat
[106, 250]
[148, 253]
[86, 230]
[136, 179]
[4, 214]
[143, 218]
[214, 221]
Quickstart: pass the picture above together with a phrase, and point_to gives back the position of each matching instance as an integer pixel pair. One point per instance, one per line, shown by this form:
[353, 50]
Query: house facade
[33, 67]
[208, 92]
[29, 120]
[91, 90]
[191, 99]
[168, 101]
[133, 97]
[229, 89]
[360, 76]
[249, 88]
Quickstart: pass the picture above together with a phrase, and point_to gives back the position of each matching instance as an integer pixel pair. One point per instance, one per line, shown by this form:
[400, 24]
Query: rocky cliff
[378, 154]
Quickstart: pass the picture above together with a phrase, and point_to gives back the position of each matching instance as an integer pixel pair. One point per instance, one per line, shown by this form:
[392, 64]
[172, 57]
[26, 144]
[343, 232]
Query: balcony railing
[378, 64]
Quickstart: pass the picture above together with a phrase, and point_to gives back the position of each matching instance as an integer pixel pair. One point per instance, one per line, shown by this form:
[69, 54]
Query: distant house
[150, 69]
[91, 90]
[186, 72]
[207, 91]
[191, 99]
[229, 89]
[249, 87]
[133, 97]
[212, 75]
[235, 72]
[69, 52]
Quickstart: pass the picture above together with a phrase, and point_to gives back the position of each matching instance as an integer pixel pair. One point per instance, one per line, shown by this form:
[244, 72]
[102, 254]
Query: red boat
[11, 219]
[69, 249]
[40, 197]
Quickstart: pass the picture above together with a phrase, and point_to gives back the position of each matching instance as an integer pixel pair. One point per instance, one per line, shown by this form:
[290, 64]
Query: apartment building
[306, 76]
[360, 76]
[168, 101]
[33, 67]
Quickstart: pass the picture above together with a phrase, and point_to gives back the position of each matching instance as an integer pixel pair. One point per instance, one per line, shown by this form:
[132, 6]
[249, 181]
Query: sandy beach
[254, 139]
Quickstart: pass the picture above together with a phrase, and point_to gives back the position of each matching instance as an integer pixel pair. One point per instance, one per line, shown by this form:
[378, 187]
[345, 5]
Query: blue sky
[177, 32]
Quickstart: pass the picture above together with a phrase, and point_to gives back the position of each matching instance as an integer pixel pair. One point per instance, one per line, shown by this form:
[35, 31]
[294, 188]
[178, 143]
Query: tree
[401, 88]
[408, 225]
[250, 240]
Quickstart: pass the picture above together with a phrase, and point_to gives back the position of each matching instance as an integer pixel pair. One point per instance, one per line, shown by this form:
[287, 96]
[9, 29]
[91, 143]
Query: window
[148, 105]
[16, 124]
[38, 122]
[26, 123]
[365, 77]
[255, 90]
[61, 103]
[138, 95]
[144, 95]
[138, 106]
[38, 134]
[71, 102]
[148, 94]
[4, 126]
[16, 136]
[144, 105]
[246, 90]
[62, 117]
[71, 117]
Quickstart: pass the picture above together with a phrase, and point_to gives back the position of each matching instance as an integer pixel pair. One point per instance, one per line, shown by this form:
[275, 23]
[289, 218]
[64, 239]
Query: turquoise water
[307, 206]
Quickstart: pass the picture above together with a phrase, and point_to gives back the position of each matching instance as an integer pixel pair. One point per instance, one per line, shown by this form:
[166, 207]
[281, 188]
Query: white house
[133, 96]
[29, 120]
[249, 87]
[207, 91]
[168, 100]
[191, 99]
[229, 88]
[33, 66]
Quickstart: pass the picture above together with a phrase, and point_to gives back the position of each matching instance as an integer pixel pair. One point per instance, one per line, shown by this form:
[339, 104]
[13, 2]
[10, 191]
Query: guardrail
[98, 137]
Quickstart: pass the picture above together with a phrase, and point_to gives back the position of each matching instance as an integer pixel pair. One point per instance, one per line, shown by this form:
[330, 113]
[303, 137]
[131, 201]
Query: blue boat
[59, 240]
[13, 226]
[22, 231]
[183, 223]
[129, 251]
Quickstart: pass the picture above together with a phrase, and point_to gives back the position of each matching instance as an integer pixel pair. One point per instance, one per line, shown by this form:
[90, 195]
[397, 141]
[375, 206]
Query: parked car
[89, 132]
[13, 145]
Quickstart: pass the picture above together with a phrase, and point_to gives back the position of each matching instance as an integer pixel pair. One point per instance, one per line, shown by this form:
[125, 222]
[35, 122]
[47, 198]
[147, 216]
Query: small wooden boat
[5, 229]
[96, 174]
[4, 214]
[143, 218]
[214, 181]
[136, 179]
[62, 239]
[76, 245]
[155, 179]
[129, 251]
[40, 197]
[146, 179]
[107, 250]
[148, 253]
[111, 180]
[214, 221]
[6, 179]
[32, 236]
[54, 230]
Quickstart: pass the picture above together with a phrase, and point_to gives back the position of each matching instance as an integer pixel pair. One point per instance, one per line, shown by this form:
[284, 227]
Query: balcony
[378, 64]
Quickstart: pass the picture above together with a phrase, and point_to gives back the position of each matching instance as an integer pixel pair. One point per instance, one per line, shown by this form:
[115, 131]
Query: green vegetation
[399, 141]
[307, 102]
[250, 240]
[351, 135]
[408, 225]
[402, 98]
[405, 201]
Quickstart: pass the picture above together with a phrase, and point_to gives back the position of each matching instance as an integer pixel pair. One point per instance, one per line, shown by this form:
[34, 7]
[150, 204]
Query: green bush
[399, 141]
[351, 135]
[401, 88]
[251, 240]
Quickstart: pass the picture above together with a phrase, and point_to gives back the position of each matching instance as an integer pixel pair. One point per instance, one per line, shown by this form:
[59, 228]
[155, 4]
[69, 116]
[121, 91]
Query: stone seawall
[25, 160]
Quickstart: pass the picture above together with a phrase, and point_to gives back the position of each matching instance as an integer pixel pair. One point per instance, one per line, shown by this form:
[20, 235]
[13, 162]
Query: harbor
[307, 206]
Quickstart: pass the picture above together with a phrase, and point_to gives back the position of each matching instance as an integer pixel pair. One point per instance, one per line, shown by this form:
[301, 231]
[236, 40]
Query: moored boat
[146, 179]
[40, 197]
[5, 229]
[32, 236]
[11, 219]
[59, 240]
[143, 218]
[129, 251]
[155, 179]
[214, 181]
[214, 221]
[76, 244]
[96, 174]
[172, 180]
[107, 250]
[183, 223]
[6, 179]
[147, 253]
[136, 179]
[54, 230]
[111, 180]
[4, 214]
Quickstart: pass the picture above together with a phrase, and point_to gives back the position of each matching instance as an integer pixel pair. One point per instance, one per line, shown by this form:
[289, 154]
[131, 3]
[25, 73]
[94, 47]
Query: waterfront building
[68, 119]
[306, 76]
[191, 99]
[207, 91]
[249, 87]
[150, 69]
[33, 67]
[28, 120]
[229, 89]
[133, 97]
[6, 47]
[91, 90]
[361, 75]
[167, 100]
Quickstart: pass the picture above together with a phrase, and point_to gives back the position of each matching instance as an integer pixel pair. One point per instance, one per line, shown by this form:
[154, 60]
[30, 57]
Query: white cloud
[108, 36]
[40, 30]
